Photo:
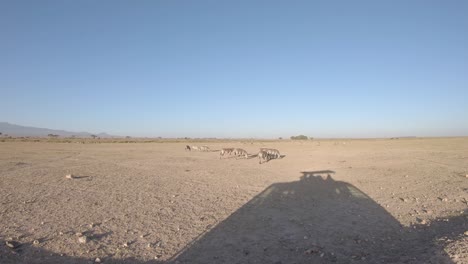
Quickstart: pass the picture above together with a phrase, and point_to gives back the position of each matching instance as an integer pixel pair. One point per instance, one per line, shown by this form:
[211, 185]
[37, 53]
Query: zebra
[240, 152]
[204, 148]
[187, 147]
[225, 151]
[263, 156]
[273, 153]
[195, 148]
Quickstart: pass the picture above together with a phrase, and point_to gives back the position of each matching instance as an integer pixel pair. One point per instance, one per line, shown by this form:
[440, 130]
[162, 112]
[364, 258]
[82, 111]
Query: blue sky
[236, 68]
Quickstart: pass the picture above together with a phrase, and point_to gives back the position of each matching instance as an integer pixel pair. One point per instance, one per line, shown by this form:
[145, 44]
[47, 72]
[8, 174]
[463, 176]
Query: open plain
[325, 201]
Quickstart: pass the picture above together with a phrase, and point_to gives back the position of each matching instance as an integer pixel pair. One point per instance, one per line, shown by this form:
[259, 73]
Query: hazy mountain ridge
[26, 131]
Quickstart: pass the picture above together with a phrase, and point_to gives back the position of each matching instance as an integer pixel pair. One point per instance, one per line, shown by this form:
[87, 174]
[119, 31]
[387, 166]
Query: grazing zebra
[187, 147]
[204, 148]
[263, 156]
[225, 151]
[240, 152]
[273, 153]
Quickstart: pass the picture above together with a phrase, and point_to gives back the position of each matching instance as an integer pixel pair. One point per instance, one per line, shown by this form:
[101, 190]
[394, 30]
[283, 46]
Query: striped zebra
[263, 156]
[225, 151]
[195, 148]
[273, 153]
[238, 152]
[204, 148]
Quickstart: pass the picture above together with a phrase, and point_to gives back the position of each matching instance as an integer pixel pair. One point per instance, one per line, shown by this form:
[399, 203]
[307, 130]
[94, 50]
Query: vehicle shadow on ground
[313, 220]
[319, 220]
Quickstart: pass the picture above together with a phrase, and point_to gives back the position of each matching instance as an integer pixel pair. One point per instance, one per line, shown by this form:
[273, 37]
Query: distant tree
[280, 138]
[300, 137]
[0, 133]
[127, 137]
[53, 136]
[93, 136]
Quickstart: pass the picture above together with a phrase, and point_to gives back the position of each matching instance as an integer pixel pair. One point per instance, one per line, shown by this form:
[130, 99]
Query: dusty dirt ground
[347, 201]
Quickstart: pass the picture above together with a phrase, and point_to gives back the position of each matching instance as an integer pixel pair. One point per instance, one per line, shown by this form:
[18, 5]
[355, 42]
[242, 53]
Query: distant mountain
[24, 131]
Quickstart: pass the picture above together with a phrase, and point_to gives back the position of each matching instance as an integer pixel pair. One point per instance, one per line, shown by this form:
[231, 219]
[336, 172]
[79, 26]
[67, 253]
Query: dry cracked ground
[330, 201]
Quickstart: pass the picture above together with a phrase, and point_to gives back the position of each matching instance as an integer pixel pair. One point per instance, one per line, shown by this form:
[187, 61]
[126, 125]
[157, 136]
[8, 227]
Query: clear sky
[236, 68]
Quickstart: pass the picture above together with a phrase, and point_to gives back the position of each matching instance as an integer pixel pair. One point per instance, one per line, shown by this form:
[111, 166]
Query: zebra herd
[202, 148]
[264, 155]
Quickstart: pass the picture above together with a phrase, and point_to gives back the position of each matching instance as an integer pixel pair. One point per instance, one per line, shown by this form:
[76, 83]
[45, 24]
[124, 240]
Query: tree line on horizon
[300, 137]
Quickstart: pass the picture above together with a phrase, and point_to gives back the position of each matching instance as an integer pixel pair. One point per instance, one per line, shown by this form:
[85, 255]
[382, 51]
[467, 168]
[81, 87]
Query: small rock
[60, 233]
[42, 223]
[78, 234]
[83, 239]
[12, 244]
[312, 251]
[69, 176]
[97, 260]
[466, 233]
[36, 242]
[321, 255]
[305, 237]
[148, 245]
[125, 244]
